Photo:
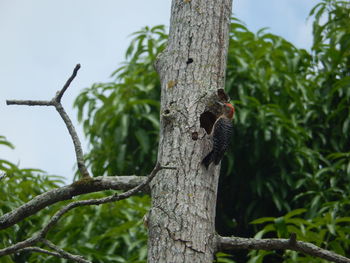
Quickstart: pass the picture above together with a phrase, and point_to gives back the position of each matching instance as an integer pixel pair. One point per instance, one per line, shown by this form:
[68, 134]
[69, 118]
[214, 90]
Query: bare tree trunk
[192, 68]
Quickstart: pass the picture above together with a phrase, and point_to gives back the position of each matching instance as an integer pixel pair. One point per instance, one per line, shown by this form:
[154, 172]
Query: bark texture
[182, 219]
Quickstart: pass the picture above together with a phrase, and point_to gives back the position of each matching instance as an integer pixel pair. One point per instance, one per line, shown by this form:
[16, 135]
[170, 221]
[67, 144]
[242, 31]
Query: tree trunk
[192, 68]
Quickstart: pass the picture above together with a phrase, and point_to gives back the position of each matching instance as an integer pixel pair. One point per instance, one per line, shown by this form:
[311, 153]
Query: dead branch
[29, 102]
[41, 250]
[56, 102]
[60, 252]
[232, 243]
[99, 201]
[63, 253]
[60, 93]
[40, 236]
[68, 192]
[18, 246]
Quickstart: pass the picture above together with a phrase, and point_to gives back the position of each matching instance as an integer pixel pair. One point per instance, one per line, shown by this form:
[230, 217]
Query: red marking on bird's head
[232, 110]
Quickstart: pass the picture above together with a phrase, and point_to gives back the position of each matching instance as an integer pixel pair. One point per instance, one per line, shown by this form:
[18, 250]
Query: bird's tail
[207, 160]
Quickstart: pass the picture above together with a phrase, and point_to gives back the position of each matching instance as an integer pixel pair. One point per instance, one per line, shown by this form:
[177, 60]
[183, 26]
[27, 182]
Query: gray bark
[231, 243]
[53, 196]
[182, 218]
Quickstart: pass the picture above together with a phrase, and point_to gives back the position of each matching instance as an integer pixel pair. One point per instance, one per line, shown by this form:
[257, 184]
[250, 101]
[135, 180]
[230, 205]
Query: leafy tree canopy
[108, 233]
[291, 142]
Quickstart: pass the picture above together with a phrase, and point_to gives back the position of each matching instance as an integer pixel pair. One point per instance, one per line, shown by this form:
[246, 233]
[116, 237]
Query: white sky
[42, 40]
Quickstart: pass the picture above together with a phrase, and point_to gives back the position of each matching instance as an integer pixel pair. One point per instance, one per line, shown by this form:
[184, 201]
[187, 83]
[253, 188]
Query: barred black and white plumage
[221, 134]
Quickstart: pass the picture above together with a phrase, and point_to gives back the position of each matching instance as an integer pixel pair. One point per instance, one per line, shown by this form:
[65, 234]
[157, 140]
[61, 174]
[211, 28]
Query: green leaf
[263, 220]
[294, 213]
[143, 139]
[3, 141]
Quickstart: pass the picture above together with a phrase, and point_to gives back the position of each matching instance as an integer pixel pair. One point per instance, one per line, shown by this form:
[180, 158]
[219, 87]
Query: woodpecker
[221, 135]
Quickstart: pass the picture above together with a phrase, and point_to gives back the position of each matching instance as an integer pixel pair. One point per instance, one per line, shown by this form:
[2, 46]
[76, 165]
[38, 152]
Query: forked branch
[67, 192]
[56, 102]
[64, 254]
[41, 250]
[40, 236]
[60, 254]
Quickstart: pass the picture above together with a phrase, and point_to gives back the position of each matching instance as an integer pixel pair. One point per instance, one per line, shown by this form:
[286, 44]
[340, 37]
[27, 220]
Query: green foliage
[4, 141]
[107, 233]
[267, 77]
[223, 258]
[121, 118]
[327, 230]
[291, 138]
[292, 133]
[17, 187]
[6, 167]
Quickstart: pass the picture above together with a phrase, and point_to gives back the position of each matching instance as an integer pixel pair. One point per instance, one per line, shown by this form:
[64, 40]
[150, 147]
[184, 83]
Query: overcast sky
[42, 41]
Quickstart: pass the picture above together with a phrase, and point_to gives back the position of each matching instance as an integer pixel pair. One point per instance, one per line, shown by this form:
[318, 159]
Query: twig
[68, 192]
[68, 82]
[77, 145]
[63, 253]
[231, 243]
[29, 102]
[56, 102]
[108, 199]
[20, 245]
[42, 233]
[60, 253]
[41, 250]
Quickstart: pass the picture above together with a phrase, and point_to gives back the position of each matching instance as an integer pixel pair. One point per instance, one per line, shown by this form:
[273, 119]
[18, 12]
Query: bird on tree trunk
[221, 135]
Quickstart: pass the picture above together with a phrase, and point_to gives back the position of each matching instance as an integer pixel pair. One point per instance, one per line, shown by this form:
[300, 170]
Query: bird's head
[228, 109]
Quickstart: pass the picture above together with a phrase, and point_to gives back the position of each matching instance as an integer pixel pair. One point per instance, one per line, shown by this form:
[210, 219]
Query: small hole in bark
[207, 120]
[166, 111]
[195, 136]
[189, 61]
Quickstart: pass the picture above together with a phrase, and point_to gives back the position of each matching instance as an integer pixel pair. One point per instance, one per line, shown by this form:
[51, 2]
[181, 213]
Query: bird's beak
[220, 103]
